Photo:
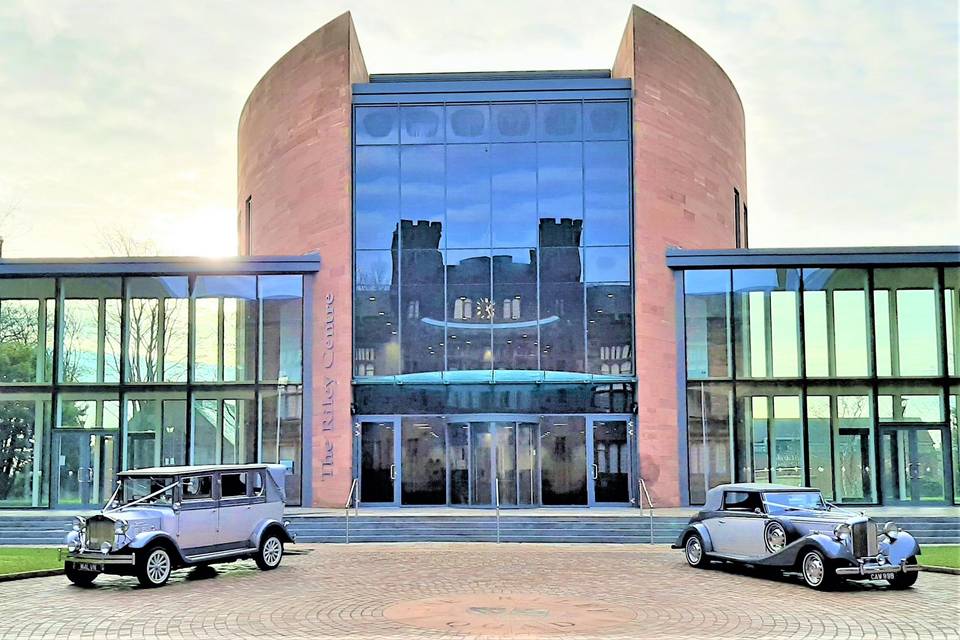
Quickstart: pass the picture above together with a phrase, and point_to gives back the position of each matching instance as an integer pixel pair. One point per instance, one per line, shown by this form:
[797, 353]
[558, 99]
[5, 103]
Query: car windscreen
[786, 501]
[137, 488]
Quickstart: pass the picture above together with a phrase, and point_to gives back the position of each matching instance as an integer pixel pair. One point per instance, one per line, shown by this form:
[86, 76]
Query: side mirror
[757, 510]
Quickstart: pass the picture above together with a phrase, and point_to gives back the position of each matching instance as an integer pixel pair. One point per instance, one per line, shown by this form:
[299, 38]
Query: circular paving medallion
[509, 614]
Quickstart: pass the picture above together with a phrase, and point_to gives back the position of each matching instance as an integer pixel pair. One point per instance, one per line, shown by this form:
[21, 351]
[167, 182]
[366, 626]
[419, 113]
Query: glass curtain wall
[839, 379]
[492, 240]
[103, 373]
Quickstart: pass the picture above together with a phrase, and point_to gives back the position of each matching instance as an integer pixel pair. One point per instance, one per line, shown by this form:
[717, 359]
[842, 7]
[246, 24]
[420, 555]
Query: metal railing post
[644, 492]
[496, 483]
[346, 508]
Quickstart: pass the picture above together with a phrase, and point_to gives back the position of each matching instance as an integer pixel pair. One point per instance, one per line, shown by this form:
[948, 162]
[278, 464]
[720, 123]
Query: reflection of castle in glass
[497, 243]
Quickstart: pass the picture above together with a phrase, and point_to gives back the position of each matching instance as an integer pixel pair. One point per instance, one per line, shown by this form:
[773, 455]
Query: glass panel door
[563, 465]
[610, 469]
[481, 463]
[912, 465]
[86, 468]
[458, 455]
[423, 469]
[852, 458]
[378, 462]
[507, 462]
[528, 473]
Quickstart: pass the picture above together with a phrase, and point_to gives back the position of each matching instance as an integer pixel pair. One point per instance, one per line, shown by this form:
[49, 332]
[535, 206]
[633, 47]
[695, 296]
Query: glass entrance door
[610, 467]
[912, 465]
[379, 460]
[86, 463]
[563, 463]
[484, 454]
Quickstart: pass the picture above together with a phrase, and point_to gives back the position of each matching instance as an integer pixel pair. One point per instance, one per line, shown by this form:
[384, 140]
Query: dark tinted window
[741, 501]
[233, 485]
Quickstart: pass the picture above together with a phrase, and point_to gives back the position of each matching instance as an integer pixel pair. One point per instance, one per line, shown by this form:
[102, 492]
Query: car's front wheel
[78, 577]
[905, 580]
[694, 553]
[154, 566]
[817, 571]
[270, 552]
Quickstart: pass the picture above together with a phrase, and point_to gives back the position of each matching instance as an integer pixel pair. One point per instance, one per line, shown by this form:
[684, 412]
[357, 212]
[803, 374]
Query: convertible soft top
[715, 496]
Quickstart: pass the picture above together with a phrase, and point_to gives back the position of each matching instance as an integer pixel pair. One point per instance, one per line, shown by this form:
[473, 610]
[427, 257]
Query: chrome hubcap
[694, 551]
[272, 550]
[158, 566]
[776, 538]
[813, 569]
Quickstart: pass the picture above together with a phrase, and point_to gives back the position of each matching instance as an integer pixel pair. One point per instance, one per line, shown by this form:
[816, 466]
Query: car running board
[216, 555]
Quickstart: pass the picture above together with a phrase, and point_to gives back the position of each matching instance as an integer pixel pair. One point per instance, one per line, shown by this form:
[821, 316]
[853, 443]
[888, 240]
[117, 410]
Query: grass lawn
[18, 559]
[940, 555]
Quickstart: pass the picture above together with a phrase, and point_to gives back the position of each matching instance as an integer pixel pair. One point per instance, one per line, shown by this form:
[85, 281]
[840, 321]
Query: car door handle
[393, 472]
[721, 521]
[596, 471]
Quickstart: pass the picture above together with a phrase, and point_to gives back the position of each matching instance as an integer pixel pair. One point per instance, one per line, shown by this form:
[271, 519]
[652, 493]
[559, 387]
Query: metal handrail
[496, 484]
[643, 492]
[354, 498]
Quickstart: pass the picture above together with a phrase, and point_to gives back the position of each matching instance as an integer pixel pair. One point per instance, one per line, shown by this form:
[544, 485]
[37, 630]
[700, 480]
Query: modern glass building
[493, 324]
[483, 292]
[825, 368]
[120, 364]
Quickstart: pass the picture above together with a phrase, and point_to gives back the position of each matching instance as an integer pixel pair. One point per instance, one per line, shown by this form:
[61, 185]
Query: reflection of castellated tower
[560, 241]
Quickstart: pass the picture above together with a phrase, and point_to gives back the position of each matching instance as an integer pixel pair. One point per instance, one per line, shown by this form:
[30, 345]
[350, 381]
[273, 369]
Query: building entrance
[463, 461]
[86, 463]
[912, 465]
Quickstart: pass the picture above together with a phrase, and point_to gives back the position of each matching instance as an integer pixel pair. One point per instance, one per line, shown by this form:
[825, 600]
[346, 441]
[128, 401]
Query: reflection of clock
[485, 308]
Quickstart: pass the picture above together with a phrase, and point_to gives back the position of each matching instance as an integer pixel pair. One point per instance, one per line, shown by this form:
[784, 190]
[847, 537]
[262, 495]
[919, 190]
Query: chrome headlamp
[842, 531]
[891, 530]
[121, 528]
[73, 545]
[79, 524]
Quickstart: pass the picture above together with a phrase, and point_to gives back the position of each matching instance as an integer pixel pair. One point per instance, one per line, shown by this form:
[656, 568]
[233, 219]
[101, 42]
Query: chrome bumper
[873, 568]
[99, 558]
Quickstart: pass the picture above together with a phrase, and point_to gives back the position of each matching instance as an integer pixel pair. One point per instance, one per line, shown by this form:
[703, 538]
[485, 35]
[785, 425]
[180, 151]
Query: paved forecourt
[477, 590]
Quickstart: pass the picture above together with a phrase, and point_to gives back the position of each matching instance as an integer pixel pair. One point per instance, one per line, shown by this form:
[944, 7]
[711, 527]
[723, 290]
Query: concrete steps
[514, 527]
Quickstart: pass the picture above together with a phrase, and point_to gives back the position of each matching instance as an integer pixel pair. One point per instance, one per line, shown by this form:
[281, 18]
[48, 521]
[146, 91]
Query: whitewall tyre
[270, 553]
[817, 571]
[694, 553]
[154, 566]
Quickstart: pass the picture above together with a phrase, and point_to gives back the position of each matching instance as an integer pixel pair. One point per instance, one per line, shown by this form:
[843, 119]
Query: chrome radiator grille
[865, 539]
[98, 531]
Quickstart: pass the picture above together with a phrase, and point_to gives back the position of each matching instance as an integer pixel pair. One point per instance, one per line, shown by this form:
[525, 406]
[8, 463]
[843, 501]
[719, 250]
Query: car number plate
[885, 576]
[89, 566]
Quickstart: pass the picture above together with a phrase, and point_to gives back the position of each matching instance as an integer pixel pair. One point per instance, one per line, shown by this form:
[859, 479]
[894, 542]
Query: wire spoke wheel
[158, 566]
[272, 551]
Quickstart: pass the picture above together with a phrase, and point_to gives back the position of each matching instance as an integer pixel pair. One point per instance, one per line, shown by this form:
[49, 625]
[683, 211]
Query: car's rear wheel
[154, 566]
[694, 553]
[270, 552]
[905, 580]
[78, 577]
[817, 571]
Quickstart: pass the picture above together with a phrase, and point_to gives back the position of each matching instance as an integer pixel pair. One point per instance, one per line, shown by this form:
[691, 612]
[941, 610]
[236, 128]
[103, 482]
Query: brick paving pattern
[456, 591]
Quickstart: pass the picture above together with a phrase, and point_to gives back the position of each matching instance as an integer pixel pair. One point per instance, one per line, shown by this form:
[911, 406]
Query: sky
[121, 117]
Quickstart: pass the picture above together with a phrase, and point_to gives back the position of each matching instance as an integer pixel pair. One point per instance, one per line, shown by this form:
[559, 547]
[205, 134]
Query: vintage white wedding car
[795, 529]
[165, 518]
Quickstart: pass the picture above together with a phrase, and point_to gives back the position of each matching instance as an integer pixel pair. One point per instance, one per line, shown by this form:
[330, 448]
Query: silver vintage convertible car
[794, 529]
[165, 518]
